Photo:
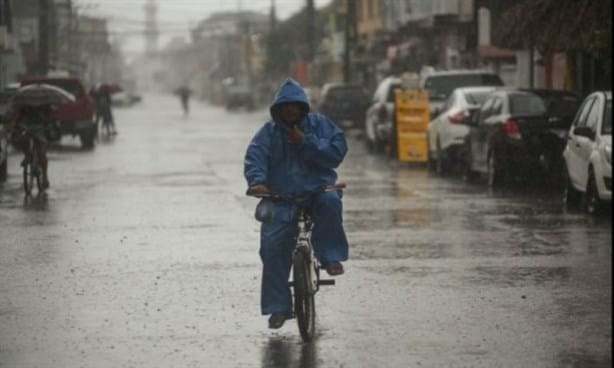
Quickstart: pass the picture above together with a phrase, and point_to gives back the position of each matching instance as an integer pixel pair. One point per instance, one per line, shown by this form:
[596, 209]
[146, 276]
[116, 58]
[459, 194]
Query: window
[497, 105]
[449, 103]
[592, 119]
[440, 86]
[527, 105]
[476, 98]
[583, 113]
[486, 109]
[607, 119]
[393, 87]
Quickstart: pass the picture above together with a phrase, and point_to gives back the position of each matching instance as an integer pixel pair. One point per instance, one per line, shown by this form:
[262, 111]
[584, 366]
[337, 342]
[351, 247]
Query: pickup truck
[73, 118]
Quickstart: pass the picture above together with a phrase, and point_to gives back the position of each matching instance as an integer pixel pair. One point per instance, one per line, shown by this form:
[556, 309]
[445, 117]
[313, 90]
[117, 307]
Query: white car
[588, 154]
[379, 118]
[446, 134]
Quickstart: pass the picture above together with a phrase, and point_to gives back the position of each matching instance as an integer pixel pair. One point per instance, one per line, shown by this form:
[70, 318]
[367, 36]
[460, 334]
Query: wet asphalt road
[143, 253]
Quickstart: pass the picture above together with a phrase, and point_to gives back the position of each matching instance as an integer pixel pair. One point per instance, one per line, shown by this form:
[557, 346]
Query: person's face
[290, 113]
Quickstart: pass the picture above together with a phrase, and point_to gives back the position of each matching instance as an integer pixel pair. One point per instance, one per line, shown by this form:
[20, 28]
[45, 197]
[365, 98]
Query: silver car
[379, 118]
[446, 135]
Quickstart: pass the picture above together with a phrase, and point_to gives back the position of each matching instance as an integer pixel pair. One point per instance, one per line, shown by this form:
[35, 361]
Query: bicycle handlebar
[328, 188]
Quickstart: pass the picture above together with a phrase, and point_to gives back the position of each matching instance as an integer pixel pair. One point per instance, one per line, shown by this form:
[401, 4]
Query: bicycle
[31, 167]
[306, 280]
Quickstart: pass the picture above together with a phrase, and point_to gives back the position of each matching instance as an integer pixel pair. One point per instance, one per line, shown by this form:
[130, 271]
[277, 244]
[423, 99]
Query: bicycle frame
[303, 245]
[305, 267]
[31, 167]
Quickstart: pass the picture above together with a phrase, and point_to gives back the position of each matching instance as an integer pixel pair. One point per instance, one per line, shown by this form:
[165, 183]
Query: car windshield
[527, 105]
[607, 122]
[440, 87]
[561, 105]
[391, 92]
[68, 85]
[476, 98]
[346, 94]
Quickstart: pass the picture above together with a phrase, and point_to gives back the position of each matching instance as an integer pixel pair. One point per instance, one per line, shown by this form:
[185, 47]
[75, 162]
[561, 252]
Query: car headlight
[607, 151]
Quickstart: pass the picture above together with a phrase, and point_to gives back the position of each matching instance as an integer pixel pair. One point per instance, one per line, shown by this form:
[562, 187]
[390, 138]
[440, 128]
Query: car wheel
[441, 165]
[469, 175]
[591, 201]
[88, 137]
[496, 175]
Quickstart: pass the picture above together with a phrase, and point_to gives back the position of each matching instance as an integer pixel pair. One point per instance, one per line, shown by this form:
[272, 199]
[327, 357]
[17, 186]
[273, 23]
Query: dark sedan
[345, 104]
[518, 133]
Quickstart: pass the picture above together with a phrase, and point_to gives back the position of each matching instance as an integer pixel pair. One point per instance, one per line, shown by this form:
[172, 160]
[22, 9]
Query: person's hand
[295, 136]
[258, 189]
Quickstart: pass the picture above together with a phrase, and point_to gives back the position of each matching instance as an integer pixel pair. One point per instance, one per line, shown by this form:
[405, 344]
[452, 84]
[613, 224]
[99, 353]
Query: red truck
[73, 118]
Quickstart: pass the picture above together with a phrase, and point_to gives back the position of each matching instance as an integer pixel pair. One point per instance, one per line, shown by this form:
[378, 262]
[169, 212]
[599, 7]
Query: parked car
[440, 84]
[238, 96]
[125, 99]
[344, 103]
[588, 154]
[5, 117]
[379, 117]
[516, 132]
[4, 148]
[446, 134]
[73, 118]
[5, 100]
[313, 95]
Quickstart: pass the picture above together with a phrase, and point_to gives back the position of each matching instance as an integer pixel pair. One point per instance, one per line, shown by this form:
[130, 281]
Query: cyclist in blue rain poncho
[295, 154]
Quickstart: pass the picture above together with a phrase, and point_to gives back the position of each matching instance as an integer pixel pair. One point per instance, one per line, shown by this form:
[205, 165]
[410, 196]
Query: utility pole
[43, 36]
[350, 29]
[311, 28]
[273, 16]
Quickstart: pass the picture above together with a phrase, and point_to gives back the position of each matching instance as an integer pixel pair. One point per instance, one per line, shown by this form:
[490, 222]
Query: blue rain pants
[278, 238]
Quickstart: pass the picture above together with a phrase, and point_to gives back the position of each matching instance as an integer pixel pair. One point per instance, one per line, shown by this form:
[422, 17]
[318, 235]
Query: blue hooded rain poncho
[295, 170]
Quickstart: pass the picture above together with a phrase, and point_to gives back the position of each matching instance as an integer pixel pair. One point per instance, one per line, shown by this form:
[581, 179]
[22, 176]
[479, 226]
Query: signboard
[412, 119]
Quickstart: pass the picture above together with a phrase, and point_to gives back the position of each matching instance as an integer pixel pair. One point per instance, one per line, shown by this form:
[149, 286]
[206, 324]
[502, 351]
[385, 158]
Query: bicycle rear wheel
[304, 301]
[31, 174]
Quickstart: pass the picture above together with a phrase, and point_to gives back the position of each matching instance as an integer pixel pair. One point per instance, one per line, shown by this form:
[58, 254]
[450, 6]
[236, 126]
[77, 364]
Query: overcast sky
[175, 17]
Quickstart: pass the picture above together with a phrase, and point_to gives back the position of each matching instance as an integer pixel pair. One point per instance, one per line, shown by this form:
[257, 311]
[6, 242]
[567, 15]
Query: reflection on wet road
[144, 254]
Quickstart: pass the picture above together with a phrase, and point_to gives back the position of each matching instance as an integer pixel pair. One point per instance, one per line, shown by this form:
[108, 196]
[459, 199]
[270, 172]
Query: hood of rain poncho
[289, 91]
[291, 169]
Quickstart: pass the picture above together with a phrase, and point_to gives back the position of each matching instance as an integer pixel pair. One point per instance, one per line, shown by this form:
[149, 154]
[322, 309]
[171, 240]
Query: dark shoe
[334, 269]
[277, 320]
[45, 183]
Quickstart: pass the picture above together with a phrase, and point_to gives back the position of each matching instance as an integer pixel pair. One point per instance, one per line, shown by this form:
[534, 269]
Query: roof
[458, 72]
[477, 89]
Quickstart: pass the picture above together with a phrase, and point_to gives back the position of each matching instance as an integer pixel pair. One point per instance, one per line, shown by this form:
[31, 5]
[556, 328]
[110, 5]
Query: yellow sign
[412, 119]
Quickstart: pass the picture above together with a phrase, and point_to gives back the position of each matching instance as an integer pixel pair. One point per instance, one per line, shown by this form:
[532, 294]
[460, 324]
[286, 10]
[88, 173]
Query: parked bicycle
[306, 280]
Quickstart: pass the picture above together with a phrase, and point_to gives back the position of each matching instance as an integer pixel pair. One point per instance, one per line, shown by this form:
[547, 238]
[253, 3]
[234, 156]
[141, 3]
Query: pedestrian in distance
[101, 94]
[184, 93]
[295, 154]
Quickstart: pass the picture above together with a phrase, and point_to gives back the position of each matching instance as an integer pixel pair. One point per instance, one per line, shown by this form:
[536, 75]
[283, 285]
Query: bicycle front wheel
[304, 301]
[28, 179]
[31, 175]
